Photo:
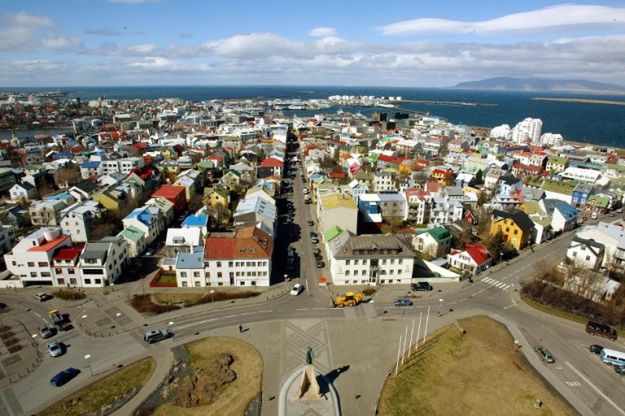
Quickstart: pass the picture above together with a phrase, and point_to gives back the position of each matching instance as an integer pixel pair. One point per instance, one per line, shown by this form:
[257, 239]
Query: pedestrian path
[496, 283]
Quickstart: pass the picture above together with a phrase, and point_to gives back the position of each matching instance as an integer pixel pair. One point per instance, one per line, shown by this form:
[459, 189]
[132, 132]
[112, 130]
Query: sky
[326, 42]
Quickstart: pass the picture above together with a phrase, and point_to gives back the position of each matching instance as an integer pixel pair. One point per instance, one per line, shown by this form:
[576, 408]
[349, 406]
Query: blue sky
[395, 43]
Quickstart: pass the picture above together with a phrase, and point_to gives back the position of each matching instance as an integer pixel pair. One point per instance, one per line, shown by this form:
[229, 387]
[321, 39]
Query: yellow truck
[348, 299]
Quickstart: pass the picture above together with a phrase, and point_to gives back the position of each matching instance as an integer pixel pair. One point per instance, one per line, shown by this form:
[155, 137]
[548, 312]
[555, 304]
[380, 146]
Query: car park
[402, 302]
[64, 376]
[42, 297]
[595, 348]
[297, 289]
[46, 332]
[421, 286]
[55, 349]
[545, 354]
[157, 335]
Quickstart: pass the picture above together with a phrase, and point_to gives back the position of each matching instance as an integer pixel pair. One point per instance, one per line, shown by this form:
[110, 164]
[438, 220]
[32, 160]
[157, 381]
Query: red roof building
[174, 194]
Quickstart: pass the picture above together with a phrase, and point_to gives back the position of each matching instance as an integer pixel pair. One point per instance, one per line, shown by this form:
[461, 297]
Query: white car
[297, 289]
[55, 349]
[305, 191]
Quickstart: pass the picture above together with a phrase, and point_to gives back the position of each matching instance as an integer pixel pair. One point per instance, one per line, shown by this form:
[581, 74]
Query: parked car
[42, 297]
[402, 302]
[316, 250]
[594, 216]
[421, 286]
[619, 369]
[314, 240]
[596, 348]
[55, 349]
[46, 332]
[311, 222]
[320, 264]
[64, 376]
[297, 289]
[157, 335]
[3, 307]
[606, 331]
[545, 354]
[149, 252]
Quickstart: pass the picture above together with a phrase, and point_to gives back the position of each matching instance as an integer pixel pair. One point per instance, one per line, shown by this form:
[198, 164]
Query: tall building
[527, 130]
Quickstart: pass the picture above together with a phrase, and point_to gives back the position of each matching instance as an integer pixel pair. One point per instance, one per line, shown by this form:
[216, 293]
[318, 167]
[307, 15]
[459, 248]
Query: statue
[308, 385]
[309, 356]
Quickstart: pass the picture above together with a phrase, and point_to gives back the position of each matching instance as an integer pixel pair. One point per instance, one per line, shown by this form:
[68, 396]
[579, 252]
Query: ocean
[600, 124]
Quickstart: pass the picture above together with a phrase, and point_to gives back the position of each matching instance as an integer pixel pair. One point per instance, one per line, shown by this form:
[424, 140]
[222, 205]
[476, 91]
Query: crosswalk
[496, 283]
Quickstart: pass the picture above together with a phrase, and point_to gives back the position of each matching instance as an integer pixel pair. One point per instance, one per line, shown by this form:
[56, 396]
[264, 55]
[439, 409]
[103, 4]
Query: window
[197, 284]
[72, 282]
[196, 274]
[60, 282]
[57, 270]
[87, 281]
[184, 284]
[71, 271]
[218, 264]
[347, 262]
[587, 258]
[347, 272]
[33, 274]
[183, 274]
[31, 264]
[98, 281]
[218, 274]
[230, 264]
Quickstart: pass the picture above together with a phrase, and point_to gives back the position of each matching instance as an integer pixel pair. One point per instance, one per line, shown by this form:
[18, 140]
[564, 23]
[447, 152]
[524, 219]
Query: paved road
[592, 387]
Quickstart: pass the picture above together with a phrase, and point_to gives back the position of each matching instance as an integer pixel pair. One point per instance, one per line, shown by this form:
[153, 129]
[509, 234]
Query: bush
[14, 348]
[221, 296]
[11, 341]
[368, 291]
[145, 304]
[7, 334]
[70, 294]
[551, 295]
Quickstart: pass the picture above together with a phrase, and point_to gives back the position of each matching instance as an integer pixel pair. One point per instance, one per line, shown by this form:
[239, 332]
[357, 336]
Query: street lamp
[440, 304]
[212, 292]
[88, 358]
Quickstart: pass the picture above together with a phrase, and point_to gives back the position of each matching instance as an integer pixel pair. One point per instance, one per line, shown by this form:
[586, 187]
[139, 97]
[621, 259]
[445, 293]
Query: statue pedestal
[308, 386]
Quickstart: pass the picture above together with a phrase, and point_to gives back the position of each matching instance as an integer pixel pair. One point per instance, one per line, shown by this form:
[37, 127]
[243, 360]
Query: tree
[67, 175]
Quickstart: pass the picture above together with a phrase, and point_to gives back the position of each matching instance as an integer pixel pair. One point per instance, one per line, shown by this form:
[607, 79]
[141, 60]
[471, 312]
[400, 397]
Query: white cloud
[25, 19]
[62, 43]
[103, 32]
[321, 32]
[17, 38]
[560, 16]
[256, 45]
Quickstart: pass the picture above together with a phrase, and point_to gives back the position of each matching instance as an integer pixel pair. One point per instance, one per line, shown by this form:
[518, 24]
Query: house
[586, 253]
[357, 188]
[271, 166]
[370, 259]
[384, 181]
[174, 194]
[90, 169]
[474, 259]
[78, 219]
[65, 266]
[183, 240]
[148, 219]
[580, 194]
[135, 239]
[508, 185]
[419, 206]
[242, 260]
[7, 238]
[46, 212]
[433, 243]
[443, 176]
[612, 237]
[444, 211]
[84, 190]
[337, 210]
[217, 196]
[31, 258]
[23, 192]
[102, 262]
[252, 210]
[165, 206]
[515, 227]
[199, 221]
[190, 270]
[557, 164]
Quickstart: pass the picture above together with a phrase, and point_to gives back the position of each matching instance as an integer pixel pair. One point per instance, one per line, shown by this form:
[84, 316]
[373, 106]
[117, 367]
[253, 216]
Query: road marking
[266, 310]
[481, 290]
[505, 308]
[573, 383]
[596, 389]
[302, 309]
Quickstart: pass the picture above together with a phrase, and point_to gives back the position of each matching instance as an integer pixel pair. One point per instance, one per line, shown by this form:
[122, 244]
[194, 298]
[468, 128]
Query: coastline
[579, 100]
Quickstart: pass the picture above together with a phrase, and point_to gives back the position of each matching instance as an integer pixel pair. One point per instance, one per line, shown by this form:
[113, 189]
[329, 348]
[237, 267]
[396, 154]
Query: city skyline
[167, 42]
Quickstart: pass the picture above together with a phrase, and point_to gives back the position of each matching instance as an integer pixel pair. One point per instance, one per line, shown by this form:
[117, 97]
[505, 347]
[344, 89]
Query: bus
[612, 357]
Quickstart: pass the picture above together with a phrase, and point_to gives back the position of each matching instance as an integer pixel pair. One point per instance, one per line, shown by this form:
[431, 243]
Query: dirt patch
[212, 377]
[205, 385]
[487, 374]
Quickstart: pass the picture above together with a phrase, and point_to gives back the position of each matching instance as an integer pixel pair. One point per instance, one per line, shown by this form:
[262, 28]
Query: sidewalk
[164, 360]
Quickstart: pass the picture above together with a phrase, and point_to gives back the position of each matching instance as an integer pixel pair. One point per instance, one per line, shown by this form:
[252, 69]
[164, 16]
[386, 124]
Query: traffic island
[212, 376]
[294, 403]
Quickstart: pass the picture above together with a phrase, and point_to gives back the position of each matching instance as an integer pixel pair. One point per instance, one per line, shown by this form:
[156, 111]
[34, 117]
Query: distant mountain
[541, 84]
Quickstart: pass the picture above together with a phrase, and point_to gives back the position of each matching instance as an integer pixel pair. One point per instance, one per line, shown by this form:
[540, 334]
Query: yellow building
[516, 227]
[216, 196]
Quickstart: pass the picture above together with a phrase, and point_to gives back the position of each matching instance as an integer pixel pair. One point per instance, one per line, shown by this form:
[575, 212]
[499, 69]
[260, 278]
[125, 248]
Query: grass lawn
[90, 399]
[177, 297]
[248, 366]
[478, 373]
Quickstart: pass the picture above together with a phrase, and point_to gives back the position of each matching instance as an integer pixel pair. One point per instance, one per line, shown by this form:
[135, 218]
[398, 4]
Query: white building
[551, 139]
[23, 192]
[369, 259]
[501, 132]
[581, 174]
[31, 258]
[527, 130]
[78, 219]
[102, 262]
